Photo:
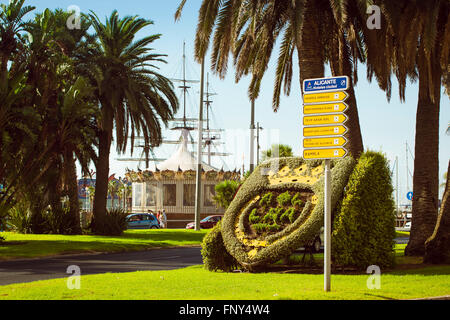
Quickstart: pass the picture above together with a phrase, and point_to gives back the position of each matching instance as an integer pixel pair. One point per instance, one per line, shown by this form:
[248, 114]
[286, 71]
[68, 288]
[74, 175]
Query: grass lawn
[195, 283]
[32, 245]
[410, 279]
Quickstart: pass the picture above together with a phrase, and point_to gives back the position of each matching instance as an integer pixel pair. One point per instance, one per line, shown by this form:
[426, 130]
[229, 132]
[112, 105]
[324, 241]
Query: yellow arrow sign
[324, 142]
[336, 96]
[325, 119]
[334, 153]
[338, 130]
[324, 108]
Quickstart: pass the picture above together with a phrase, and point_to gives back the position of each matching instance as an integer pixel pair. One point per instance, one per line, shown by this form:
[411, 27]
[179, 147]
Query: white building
[171, 186]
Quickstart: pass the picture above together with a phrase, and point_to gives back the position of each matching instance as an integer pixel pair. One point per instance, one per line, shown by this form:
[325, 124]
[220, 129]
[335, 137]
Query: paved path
[20, 271]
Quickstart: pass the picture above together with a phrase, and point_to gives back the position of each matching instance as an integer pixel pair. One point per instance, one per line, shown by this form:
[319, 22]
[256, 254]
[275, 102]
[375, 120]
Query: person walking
[163, 219]
[158, 217]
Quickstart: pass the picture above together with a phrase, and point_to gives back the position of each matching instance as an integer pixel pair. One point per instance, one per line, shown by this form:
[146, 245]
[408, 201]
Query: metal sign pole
[198, 180]
[327, 231]
[323, 138]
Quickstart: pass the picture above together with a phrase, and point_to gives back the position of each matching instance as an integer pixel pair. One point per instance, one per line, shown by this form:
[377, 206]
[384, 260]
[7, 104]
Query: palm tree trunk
[310, 54]
[102, 172]
[426, 160]
[72, 190]
[437, 247]
[341, 65]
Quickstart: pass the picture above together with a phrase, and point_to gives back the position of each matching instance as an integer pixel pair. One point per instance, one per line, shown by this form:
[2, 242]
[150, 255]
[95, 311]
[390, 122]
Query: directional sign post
[320, 131]
[324, 119]
[324, 108]
[326, 84]
[338, 96]
[323, 130]
[324, 142]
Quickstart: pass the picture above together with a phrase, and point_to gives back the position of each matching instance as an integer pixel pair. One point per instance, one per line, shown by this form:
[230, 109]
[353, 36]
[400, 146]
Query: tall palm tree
[11, 24]
[250, 28]
[76, 138]
[133, 96]
[113, 191]
[65, 104]
[284, 150]
[414, 42]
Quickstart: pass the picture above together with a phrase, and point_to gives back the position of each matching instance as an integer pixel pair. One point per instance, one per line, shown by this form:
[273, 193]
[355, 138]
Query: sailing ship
[170, 184]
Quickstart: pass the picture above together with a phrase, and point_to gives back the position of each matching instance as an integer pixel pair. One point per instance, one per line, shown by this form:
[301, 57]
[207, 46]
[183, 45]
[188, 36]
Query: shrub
[113, 224]
[296, 201]
[254, 217]
[364, 228]
[225, 192]
[273, 227]
[271, 215]
[20, 218]
[215, 256]
[284, 198]
[60, 222]
[260, 227]
[291, 214]
[285, 217]
[266, 199]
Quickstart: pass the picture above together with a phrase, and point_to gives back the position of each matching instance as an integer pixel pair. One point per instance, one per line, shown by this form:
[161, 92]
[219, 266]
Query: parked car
[142, 221]
[207, 223]
[407, 226]
[318, 243]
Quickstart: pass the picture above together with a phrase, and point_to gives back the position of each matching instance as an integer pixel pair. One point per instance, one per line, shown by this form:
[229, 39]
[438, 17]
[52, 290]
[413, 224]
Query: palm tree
[11, 24]
[250, 29]
[437, 249]
[134, 98]
[225, 192]
[113, 191]
[283, 151]
[415, 43]
[65, 104]
[76, 138]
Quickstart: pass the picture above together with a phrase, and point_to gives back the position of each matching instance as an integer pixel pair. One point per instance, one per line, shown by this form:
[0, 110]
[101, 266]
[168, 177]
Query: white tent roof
[182, 158]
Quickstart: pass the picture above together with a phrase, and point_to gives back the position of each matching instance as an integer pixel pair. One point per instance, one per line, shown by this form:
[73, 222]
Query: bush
[225, 192]
[266, 200]
[364, 228]
[215, 256]
[20, 218]
[284, 199]
[296, 201]
[114, 223]
[60, 222]
[254, 217]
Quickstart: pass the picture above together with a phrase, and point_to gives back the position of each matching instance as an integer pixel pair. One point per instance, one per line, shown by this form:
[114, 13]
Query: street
[20, 271]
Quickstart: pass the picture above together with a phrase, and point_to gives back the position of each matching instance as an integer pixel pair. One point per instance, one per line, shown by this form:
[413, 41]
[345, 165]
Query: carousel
[171, 186]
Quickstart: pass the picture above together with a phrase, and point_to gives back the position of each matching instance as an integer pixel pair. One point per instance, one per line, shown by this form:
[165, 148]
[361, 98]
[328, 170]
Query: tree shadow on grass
[165, 234]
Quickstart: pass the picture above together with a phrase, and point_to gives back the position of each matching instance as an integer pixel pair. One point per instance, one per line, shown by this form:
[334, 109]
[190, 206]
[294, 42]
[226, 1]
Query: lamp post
[258, 128]
[252, 136]
[198, 184]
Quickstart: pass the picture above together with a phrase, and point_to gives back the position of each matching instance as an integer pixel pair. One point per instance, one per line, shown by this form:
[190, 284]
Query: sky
[388, 127]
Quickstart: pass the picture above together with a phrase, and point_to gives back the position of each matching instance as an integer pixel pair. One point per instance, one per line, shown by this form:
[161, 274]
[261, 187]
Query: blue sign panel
[409, 195]
[325, 84]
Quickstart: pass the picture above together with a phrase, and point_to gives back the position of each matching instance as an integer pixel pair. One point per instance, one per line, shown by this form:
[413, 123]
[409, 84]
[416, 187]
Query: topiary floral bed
[279, 208]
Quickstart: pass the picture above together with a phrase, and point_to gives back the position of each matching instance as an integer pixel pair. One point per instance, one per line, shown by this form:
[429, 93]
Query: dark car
[207, 223]
[142, 221]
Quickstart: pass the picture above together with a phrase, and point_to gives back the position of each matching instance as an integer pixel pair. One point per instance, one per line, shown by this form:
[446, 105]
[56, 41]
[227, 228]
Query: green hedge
[215, 256]
[302, 230]
[364, 228]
